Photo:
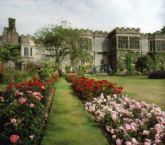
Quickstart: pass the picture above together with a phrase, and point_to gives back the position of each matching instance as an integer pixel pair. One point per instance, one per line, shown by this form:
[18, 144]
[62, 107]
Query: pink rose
[147, 143]
[145, 132]
[114, 116]
[2, 99]
[128, 143]
[134, 141]
[157, 128]
[43, 87]
[127, 127]
[17, 93]
[13, 120]
[22, 100]
[114, 136]
[31, 105]
[14, 138]
[118, 142]
[29, 92]
[112, 131]
[157, 138]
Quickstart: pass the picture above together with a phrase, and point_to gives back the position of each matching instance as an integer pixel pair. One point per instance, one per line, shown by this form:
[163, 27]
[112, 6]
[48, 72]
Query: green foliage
[63, 42]
[46, 70]
[81, 54]
[32, 68]
[12, 75]
[121, 67]
[126, 63]
[129, 63]
[68, 69]
[81, 70]
[57, 40]
[21, 114]
[158, 60]
[144, 64]
[10, 52]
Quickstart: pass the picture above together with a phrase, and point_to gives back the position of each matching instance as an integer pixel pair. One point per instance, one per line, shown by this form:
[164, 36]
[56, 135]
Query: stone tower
[10, 34]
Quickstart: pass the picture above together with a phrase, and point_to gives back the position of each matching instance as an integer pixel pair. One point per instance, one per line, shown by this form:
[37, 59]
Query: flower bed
[87, 89]
[127, 121]
[22, 112]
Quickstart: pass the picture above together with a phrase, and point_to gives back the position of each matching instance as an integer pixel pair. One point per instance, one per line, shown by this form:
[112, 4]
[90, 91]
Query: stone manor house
[107, 48]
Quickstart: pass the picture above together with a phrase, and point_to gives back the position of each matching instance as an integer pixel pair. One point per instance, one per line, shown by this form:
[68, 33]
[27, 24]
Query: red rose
[14, 138]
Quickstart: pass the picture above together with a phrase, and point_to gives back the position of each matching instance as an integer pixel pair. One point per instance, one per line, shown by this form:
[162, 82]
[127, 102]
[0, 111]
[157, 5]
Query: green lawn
[141, 88]
[68, 123]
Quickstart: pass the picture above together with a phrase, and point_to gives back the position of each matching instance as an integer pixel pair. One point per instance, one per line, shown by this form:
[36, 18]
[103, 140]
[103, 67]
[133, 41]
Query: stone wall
[144, 43]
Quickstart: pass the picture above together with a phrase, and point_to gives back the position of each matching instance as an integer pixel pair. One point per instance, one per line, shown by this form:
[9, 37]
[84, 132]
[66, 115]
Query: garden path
[68, 123]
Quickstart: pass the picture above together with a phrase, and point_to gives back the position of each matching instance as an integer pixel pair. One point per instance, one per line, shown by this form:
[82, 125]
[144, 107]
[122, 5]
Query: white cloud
[149, 15]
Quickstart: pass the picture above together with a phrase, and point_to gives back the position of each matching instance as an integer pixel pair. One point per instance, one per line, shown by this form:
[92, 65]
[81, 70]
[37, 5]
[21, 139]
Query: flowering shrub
[22, 112]
[127, 121]
[46, 70]
[87, 89]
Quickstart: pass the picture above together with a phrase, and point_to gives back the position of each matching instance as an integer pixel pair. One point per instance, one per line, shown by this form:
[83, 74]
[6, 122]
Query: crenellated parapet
[157, 34]
[85, 32]
[100, 33]
[124, 30]
[90, 33]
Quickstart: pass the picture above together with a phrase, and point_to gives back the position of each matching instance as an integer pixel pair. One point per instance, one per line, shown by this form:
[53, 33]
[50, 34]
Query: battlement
[100, 33]
[157, 34]
[126, 30]
[85, 32]
[88, 32]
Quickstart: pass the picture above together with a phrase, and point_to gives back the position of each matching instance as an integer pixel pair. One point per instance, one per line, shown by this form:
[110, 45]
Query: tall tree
[82, 54]
[61, 42]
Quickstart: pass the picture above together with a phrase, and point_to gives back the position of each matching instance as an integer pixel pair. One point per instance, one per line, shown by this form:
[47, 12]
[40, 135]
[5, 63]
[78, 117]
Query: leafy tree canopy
[62, 42]
[10, 52]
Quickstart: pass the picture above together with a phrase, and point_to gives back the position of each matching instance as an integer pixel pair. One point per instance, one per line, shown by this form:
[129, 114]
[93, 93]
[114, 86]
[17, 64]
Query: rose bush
[87, 89]
[22, 113]
[127, 121]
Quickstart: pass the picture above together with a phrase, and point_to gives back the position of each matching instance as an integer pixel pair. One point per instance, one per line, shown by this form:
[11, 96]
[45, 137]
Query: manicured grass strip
[141, 88]
[68, 123]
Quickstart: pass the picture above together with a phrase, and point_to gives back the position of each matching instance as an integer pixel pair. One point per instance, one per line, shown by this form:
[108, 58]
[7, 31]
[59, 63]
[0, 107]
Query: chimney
[11, 23]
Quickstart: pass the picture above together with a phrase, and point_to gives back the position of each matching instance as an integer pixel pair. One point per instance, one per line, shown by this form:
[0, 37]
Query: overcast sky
[148, 15]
